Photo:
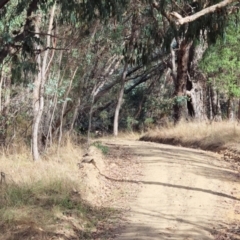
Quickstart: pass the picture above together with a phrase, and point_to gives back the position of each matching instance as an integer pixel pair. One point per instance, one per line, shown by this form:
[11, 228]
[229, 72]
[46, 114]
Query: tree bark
[38, 92]
[75, 113]
[55, 99]
[230, 110]
[209, 104]
[216, 108]
[239, 110]
[180, 82]
[119, 103]
[4, 111]
[64, 108]
[37, 100]
[90, 120]
[197, 102]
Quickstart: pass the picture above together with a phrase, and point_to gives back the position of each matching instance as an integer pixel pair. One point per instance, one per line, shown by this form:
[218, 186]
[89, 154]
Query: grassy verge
[214, 137]
[42, 200]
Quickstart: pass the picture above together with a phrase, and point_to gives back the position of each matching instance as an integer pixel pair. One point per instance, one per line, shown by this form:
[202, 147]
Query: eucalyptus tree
[221, 63]
[31, 40]
[177, 28]
[44, 41]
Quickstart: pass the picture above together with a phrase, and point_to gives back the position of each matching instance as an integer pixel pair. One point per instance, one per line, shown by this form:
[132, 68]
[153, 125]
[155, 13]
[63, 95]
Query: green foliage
[100, 146]
[130, 122]
[181, 100]
[148, 122]
[15, 196]
[94, 31]
[222, 61]
[105, 118]
[156, 106]
[54, 193]
[52, 87]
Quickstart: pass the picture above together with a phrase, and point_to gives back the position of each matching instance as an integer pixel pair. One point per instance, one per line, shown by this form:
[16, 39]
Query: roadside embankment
[221, 137]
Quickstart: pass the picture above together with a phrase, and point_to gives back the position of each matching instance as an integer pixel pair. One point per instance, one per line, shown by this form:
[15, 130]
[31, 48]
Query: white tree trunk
[55, 99]
[119, 104]
[217, 113]
[37, 103]
[38, 91]
[64, 108]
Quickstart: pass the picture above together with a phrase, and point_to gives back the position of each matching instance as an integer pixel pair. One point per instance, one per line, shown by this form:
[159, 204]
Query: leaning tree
[162, 31]
[182, 29]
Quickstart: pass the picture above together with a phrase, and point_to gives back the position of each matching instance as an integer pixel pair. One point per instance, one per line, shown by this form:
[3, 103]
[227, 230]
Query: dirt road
[186, 194]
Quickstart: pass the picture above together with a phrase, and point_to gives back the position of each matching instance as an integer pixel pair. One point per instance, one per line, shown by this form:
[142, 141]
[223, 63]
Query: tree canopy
[66, 63]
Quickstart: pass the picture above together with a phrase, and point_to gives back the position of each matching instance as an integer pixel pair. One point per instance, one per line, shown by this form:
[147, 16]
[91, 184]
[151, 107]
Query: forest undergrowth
[43, 200]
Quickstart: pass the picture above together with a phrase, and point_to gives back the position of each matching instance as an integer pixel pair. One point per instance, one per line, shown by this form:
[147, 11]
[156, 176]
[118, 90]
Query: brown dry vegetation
[56, 199]
[215, 136]
[42, 200]
[221, 137]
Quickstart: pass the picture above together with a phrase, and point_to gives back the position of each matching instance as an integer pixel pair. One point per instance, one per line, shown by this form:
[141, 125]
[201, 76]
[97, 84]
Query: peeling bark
[216, 109]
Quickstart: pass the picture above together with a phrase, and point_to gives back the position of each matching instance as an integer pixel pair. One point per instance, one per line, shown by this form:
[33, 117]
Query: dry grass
[129, 135]
[42, 199]
[19, 167]
[215, 136]
[122, 135]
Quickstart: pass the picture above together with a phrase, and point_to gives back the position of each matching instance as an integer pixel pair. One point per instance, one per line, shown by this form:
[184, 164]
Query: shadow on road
[174, 186]
[192, 172]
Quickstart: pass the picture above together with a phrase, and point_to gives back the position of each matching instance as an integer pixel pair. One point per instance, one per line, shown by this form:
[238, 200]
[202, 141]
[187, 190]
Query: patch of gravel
[111, 181]
[123, 173]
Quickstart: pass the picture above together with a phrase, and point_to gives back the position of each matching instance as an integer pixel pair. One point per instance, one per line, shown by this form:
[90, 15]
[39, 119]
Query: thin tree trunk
[75, 115]
[64, 107]
[239, 110]
[99, 86]
[210, 105]
[1, 83]
[90, 120]
[55, 98]
[5, 110]
[119, 103]
[37, 104]
[230, 110]
[38, 92]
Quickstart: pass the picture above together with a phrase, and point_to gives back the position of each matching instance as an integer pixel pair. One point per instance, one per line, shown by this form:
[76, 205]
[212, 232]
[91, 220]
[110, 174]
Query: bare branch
[50, 48]
[180, 20]
[48, 34]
